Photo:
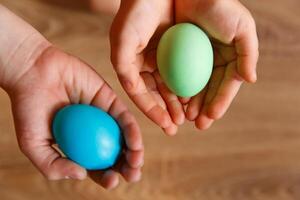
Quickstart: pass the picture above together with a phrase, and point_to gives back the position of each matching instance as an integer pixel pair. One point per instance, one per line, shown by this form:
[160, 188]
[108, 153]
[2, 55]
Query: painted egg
[185, 59]
[88, 136]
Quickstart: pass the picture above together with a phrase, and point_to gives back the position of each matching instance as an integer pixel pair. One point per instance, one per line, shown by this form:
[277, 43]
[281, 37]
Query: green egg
[185, 59]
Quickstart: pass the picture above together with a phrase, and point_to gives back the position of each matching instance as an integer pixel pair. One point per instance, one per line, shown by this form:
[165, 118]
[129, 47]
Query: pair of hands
[135, 34]
[56, 79]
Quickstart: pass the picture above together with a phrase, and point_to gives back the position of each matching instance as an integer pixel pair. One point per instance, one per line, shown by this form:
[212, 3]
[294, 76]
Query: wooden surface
[252, 153]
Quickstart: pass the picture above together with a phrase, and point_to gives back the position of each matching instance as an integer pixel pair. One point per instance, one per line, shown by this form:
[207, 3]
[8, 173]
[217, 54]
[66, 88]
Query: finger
[48, 160]
[195, 105]
[152, 88]
[145, 101]
[213, 85]
[131, 174]
[108, 179]
[203, 121]
[106, 99]
[135, 159]
[171, 130]
[151, 108]
[133, 138]
[131, 130]
[184, 100]
[246, 43]
[228, 89]
[128, 37]
[152, 85]
[174, 106]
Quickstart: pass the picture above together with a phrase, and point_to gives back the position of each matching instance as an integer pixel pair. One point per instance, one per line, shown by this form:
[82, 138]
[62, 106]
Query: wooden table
[252, 153]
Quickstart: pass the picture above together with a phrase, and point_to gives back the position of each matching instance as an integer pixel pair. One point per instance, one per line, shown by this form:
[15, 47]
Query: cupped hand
[233, 35]
[135, 33]
[57, 79]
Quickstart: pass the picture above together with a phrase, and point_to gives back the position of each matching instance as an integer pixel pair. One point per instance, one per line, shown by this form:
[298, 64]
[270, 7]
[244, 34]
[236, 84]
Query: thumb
[48, 161]
[246, 43]
[35, 139]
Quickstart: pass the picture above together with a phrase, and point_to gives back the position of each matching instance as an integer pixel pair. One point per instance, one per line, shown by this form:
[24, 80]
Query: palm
[55, 80]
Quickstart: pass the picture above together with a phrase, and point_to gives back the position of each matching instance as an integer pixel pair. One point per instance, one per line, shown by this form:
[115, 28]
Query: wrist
[20, 45]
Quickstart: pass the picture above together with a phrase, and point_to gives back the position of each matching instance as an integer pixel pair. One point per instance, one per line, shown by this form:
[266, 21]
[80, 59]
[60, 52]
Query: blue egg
[88, 136]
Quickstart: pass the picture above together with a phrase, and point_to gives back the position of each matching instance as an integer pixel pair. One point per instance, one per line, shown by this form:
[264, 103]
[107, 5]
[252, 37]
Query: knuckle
[215, 114]
[251, 20]
[49, 172]
[127, 84]
[236, 76]
[24, 149]
[202, 126]
[24, 146]
[120, 62]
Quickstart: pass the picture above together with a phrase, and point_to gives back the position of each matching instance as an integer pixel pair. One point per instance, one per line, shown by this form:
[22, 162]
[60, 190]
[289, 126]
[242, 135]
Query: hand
[53, 81]
[233, 34]
[135, 33]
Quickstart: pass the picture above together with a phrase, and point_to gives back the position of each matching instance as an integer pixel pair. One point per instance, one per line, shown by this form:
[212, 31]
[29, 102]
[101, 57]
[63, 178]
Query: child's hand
[55, 80]
[233, 34]
[135, 33]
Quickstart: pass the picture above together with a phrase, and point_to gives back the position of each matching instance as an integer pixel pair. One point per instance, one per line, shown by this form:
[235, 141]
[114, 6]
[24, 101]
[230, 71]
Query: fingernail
[137, 178]
[78, 176]
[255, 77]
[166, 121]
[142, 163]
[252, 78]
[171, 130]
[180, 120]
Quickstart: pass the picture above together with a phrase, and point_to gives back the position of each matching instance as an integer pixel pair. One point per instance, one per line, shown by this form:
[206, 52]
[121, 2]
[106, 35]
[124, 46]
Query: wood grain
[252, 153]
